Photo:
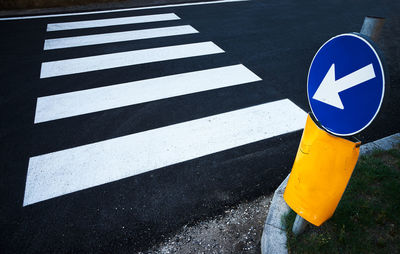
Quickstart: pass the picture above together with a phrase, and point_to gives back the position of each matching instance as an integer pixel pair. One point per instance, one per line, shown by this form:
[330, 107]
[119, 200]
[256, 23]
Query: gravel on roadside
[238, 230]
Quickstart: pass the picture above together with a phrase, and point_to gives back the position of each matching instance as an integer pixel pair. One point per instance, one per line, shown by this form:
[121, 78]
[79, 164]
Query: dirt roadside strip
[238, 230]
[66, 7]
[274, 235]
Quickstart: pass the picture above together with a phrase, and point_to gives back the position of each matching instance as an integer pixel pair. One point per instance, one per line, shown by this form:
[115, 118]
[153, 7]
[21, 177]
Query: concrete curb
[273, 240]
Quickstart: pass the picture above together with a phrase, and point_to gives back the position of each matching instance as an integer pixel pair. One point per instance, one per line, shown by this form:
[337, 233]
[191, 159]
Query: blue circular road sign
[346, 84]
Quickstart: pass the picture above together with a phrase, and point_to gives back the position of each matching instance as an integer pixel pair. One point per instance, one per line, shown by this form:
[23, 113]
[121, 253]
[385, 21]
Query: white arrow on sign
[329, 89]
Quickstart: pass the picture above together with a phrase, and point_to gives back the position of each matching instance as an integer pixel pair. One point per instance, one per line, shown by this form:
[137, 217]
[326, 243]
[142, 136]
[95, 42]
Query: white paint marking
[110, 22]
[95, 39]
[92, 100]
[59, 173]
[123, 10]
[101, 62]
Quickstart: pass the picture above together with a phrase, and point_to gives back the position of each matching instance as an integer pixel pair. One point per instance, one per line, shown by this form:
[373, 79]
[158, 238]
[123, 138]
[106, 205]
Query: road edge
[97, 8]
[273, 239]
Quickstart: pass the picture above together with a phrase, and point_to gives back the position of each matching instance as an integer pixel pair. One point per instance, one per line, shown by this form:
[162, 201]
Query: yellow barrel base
[322, 168]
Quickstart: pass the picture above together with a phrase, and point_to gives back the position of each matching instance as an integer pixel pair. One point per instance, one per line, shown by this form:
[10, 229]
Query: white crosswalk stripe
[95, 39]
[55, 174]
[108, 61]
[58, 173]
[110, 22]
[92, 100]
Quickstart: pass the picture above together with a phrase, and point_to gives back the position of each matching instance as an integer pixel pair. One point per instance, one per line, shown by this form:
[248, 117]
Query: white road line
[101, 62]
[123, 10]
[59, 173]
[110, 22]
[95, 39]
[92, 100]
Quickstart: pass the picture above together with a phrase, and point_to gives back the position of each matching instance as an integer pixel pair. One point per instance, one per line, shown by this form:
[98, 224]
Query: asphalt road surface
[118, 127]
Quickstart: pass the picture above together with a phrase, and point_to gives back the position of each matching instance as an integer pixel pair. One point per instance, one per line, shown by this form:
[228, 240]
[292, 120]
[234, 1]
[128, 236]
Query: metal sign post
[346, 85]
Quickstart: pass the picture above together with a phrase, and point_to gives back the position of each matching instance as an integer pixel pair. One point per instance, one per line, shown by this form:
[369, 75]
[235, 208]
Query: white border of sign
[383, 81]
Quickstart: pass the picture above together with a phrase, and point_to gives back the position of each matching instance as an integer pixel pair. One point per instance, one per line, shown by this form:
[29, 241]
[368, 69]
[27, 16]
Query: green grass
[367, 219]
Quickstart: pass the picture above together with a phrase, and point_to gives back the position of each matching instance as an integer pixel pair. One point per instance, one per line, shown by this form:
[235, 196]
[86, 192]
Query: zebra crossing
[135, 57]
[96, 99]
[78, 41]
[110, 22]
[59, 173]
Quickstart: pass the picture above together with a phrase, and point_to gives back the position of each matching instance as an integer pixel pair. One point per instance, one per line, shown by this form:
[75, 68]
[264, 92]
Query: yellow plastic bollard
[320, 173]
